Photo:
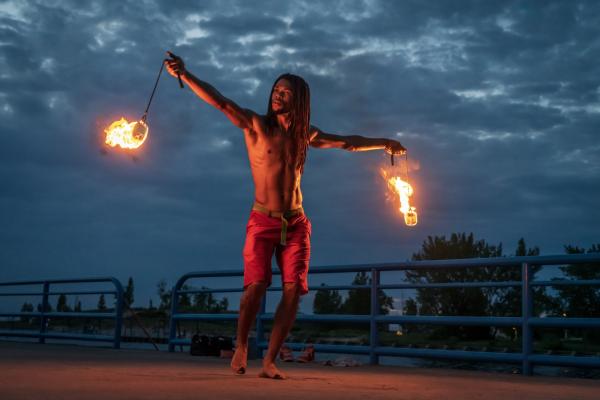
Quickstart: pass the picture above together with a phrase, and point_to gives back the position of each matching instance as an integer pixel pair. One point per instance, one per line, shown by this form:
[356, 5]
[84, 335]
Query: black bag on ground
[218, 343]
[200, 345]
[203, 345]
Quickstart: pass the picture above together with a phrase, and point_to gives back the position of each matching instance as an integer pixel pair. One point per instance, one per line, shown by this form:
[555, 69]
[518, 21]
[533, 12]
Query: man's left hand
[394, 147]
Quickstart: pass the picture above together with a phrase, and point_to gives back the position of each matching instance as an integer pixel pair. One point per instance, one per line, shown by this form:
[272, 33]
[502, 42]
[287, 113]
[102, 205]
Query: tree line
[572, 301]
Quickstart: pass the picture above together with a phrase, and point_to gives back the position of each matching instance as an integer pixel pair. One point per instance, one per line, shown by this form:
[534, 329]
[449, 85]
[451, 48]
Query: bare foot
[269, 370]
[239, 361]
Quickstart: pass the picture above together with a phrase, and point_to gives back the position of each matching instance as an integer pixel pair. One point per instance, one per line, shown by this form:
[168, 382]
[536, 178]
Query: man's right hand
[175, 66]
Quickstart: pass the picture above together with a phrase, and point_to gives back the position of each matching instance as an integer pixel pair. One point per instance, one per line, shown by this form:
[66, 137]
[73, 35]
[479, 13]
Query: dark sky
[498, 103]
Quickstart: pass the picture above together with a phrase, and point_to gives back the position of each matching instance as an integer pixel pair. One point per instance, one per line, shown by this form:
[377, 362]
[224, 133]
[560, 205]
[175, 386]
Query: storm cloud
[497, 102]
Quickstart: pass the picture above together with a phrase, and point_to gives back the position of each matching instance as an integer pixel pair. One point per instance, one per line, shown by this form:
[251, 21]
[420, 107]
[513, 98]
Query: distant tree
[150, 305]
[327, 301]
[26, 307]
[410, 307]
[164, 295]
[580, 301]
[101, 303]
[223, 305]
[61, 304]
[359, 300]
[128, 294]
[185, 301]
[454, 301]
[77, 306]
[506, 301]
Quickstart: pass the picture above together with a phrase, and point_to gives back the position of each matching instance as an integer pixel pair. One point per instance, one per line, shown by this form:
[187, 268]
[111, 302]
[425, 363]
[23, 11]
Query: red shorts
[263, 235]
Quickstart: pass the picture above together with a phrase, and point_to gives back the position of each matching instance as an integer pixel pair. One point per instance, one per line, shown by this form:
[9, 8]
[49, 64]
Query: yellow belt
[283, 215]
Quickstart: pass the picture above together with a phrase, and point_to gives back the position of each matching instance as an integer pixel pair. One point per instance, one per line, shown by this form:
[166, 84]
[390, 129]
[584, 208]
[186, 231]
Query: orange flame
[127, 135]
[404, 190]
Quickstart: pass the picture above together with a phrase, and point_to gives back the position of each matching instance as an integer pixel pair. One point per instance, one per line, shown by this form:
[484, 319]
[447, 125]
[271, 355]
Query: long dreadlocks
[300, 117]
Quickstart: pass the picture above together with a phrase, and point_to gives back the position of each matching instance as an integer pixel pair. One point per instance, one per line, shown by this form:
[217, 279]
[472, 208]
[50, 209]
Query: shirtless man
[276, 144]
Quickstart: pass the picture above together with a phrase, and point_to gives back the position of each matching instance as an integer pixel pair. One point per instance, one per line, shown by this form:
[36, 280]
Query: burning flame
[404, 190]
[127, 135]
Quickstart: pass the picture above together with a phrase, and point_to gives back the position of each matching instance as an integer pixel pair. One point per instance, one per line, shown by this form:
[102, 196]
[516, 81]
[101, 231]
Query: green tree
[101, 303]
[327, 301]
[184, 300]
[26, 307]
[580, 301]
[223, 305]
[77, 306]
[359, 300]
[410, 307]
[164, 295]
[61, 304]
[128, 294]
[454, 301]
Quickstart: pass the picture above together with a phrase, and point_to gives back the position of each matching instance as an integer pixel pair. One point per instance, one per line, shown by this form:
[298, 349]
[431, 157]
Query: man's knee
[258, 286]
[292, 289]
[254, 292]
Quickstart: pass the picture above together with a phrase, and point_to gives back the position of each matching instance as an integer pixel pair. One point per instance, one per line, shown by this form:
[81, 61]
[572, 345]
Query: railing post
[118, 314]
[527, 311]
[172, 324]
[43, 318]
[373, 337]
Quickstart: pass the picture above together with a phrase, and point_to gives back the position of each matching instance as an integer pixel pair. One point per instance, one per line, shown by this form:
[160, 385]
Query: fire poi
[404, 191]
[131, 135]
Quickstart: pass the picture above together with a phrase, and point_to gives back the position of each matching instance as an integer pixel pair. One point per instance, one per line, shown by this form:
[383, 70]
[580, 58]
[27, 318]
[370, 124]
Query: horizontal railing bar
[424, 320]
[423, 264]
[220, 273]
[567, 282]
[450, 285]
[328, 287]
[218, 290]
[324, 348]
[450, 354]
[59, 293]
[23, 294]
[406, 286]
[57, 281]
[206, 317]
[588, 361]
[449, 320]
[57, 335]
[558, 322]
[322, 318]
[59, 314]
[574, 361]
[22, 314]
[113, 292]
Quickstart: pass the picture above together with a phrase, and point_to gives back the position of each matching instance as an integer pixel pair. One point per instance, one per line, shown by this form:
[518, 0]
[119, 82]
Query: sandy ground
[33, 371]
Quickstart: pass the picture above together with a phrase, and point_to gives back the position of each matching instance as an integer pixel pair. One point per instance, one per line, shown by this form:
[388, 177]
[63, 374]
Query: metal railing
[527, 321]
[44, 316]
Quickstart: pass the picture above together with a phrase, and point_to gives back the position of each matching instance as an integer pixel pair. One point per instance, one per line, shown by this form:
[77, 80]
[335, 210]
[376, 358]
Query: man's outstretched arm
[322, 140]
[242, 118]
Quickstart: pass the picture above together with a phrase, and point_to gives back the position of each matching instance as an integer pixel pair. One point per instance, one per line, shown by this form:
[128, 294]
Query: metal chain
[162, 65]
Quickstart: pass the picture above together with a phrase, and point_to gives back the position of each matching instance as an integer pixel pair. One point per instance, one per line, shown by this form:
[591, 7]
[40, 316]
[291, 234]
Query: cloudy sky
[498, 103]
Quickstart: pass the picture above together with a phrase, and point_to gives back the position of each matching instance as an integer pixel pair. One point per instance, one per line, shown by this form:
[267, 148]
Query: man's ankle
[241, 346]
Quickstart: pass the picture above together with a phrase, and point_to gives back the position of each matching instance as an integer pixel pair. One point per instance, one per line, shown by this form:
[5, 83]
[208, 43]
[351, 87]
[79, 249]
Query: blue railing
[527, 321]
[44, 316]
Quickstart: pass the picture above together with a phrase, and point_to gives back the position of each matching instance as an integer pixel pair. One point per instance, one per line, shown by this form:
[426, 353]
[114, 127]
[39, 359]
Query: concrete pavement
[51, 371]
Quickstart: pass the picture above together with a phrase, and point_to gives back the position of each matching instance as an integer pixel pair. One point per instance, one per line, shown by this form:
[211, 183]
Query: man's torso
[274, 164]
